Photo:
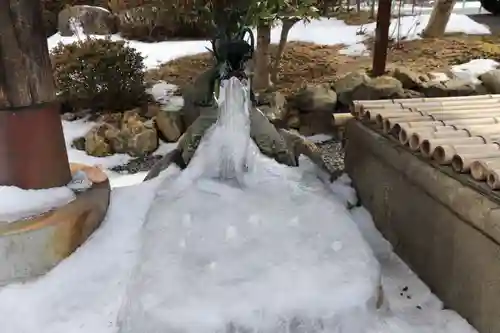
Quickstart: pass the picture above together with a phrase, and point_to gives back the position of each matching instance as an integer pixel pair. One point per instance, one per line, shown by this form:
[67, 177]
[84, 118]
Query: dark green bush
[99, 74]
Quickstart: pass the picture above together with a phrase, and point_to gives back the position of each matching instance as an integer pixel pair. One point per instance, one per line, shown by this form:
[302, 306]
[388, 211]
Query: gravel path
[333, 155]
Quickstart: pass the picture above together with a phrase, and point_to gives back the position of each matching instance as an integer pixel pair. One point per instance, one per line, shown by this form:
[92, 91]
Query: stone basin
[31, 247]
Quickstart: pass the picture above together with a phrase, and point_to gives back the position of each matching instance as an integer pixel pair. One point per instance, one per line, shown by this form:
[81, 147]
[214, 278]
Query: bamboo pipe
[473, 121]
[340, 119]
[390, 124]
[450, 98]
[412, 125]
[451, 116]
[373, 102]
[462, 162]
[479, 168]
[368, 112]
[372, 114]
[444, 154]
[468, 111]
[459, 107]
[379, 117]
[417, 137]
[493, 178]
[405, 133]
[436, 104]
[491, 130]
[417, 124]
[428, 146]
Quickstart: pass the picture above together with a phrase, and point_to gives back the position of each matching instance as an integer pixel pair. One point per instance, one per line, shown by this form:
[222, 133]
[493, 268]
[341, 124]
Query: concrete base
[31, 247]
[447, 232]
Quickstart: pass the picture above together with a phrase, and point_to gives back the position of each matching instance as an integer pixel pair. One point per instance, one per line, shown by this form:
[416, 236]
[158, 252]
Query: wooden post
[381, 37]
[32, 148]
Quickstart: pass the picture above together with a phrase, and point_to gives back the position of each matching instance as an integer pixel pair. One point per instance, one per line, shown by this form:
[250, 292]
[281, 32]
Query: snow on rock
[474, 68]
[78, 128]
[17, 203]
[164, 93]
[84, 292]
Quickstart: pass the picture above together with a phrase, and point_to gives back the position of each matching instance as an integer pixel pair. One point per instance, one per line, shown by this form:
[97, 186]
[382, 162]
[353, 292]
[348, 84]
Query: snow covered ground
[86, 292]
[321, 31]
[191, 252]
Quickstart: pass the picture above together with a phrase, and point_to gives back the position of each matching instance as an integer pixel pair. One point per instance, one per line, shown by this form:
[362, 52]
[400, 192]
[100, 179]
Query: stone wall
[445, 231]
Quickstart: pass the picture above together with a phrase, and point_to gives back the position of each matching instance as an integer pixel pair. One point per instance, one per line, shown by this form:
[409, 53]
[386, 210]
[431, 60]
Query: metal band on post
[32, 147]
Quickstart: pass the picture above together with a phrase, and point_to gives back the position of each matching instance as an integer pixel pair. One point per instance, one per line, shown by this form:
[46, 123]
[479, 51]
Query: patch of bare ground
[353, 17]
[301, 63]
[311, 63]
[440, 53]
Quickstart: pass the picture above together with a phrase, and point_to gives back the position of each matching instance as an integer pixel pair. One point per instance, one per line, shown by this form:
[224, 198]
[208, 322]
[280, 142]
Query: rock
[96, 142]
[268, 139]
[491, 81]
[457, 87]
[293, 121]
[118, 140]
[262, 131]
[381, 87]
[68, 116]
[409, 93]
[273, 106]
[197, 96]
[143, 142]
[408, 78]
[93, 20]
[121, 134]
[169, 125]
[453, 87]
[140, 139]
[174, 156]
[151, 111]
[315, 98]
[438, 76]
[314, 123]
[302, 146]
[111, 118]
[78, 143]
[346, 84]
[434, 89]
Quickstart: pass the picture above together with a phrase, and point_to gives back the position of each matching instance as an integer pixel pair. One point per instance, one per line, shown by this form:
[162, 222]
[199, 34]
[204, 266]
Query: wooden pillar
[32, 149]
[381, 37]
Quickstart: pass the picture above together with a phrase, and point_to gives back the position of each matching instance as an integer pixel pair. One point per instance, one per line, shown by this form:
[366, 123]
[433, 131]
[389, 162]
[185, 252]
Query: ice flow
[240, 243]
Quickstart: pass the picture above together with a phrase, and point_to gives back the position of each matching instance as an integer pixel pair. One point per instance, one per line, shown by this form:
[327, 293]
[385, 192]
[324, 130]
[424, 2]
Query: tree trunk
[285, 29]
[32, 148]
[439, 19]
[262, 79]
[381, 42]
[372, 9]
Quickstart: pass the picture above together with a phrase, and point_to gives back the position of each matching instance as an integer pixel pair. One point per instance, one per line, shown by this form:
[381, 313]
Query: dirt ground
[310, 63]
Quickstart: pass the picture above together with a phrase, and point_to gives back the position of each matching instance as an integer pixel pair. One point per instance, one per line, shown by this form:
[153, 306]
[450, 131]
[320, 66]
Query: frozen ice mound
[211, 259]
[239, 243]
